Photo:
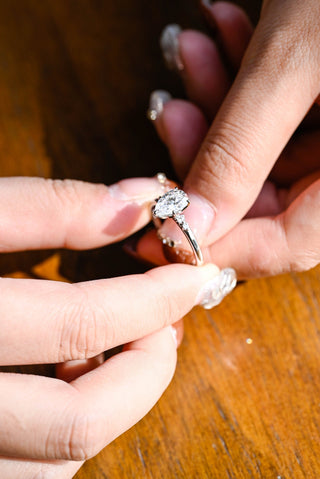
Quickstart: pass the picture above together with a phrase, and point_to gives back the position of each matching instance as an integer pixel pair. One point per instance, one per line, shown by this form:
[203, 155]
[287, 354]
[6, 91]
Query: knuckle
[72, 199]
[79, 439]
[66, 192]
[225, 157]
[86, 330]
[70, 192]
[300, 255]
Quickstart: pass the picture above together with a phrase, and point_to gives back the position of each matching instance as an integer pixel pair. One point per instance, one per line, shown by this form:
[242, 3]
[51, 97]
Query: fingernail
[158, 99]
[138, 190]
[169, 43]
[174, 333]
[215, 290]
[199, 215]
[206, 3]
[208, 13]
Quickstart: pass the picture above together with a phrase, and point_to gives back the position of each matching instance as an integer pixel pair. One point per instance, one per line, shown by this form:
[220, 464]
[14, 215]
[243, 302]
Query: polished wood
[75, 77]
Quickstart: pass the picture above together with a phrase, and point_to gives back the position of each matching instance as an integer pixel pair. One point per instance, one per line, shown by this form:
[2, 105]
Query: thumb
[276, 85]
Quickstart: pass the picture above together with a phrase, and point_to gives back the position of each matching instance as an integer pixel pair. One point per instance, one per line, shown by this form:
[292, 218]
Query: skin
[256, 176]
[260, 227]
[49, 426]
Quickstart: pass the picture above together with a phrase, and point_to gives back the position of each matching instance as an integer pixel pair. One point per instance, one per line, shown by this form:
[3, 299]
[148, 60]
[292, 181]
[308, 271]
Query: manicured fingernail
[174, 333]
[177, 330]
[158, 99]
[138, 190]
[206, 3]
[215, 290]
[208, 13]
[169, 43]
[199, 215]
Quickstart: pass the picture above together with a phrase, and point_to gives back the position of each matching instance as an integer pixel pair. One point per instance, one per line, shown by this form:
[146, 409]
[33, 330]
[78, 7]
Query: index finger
[276, 85]
[51, 322]
[43, 213]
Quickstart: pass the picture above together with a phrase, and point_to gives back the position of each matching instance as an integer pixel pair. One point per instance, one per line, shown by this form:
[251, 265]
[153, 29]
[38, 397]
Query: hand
[260, 217]
[46, 422]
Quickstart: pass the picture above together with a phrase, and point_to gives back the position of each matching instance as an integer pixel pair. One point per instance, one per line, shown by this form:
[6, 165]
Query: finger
[76, 321]
[75, 421]
[39, 213]
[233, 28]
[198, 60]
[274, 245]
[182, 127]
[247, 136]
[12, 468]
[137, 247]
[204, 75]
[300, 158]
[270, 201]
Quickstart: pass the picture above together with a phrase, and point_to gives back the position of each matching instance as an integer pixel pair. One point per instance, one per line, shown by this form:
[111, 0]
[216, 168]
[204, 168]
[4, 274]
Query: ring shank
[187, 231]
[185, 228]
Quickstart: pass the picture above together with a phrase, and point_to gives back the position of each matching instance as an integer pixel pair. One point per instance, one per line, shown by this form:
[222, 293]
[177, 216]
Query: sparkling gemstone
[171, 203]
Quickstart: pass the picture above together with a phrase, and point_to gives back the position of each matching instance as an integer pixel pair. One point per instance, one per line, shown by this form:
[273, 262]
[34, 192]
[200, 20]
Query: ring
[171, 205]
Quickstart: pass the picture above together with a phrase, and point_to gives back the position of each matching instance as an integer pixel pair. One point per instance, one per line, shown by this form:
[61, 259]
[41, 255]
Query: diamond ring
[171, 205]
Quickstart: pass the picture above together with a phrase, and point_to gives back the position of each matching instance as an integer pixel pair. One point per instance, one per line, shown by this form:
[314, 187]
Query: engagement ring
[171, 205]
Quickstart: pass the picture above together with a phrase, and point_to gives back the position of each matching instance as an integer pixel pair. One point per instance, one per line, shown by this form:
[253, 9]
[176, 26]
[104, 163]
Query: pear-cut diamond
[171, 203]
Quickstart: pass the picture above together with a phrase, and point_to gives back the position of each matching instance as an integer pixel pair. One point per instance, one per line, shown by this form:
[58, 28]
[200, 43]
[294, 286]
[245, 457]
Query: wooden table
[75, 77]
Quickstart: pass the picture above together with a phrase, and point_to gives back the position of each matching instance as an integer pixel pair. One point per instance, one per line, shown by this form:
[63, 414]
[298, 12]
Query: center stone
[171, 203]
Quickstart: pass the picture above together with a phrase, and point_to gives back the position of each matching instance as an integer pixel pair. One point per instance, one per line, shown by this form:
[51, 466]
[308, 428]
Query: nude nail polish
[174, 335]
[215, 290]
[158, 99]
[205, 7]
[169, 43]
[206, 3]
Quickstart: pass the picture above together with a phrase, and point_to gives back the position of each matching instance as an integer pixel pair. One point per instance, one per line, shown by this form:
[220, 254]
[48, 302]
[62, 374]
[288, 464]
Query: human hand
[48, 426]
[257, 225]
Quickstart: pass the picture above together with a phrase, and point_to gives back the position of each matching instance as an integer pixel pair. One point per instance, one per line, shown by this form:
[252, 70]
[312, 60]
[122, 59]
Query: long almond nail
[169, 43]
[205, 6]
[206, 3]
[215, 290]
[158, 99]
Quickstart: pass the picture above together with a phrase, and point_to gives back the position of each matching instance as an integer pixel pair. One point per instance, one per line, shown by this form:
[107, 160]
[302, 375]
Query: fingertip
[233, 27]
[204, 75]
[182, 127]
[149, 249]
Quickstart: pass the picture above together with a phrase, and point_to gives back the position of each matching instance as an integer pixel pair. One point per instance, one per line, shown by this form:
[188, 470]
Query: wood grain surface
[75, 77]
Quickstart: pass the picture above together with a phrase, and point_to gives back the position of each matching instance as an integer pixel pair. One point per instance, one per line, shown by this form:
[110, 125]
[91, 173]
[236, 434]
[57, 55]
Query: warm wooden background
[75, 77]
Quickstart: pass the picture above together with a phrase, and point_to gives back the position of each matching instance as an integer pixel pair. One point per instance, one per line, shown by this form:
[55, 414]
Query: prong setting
[171, 204]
